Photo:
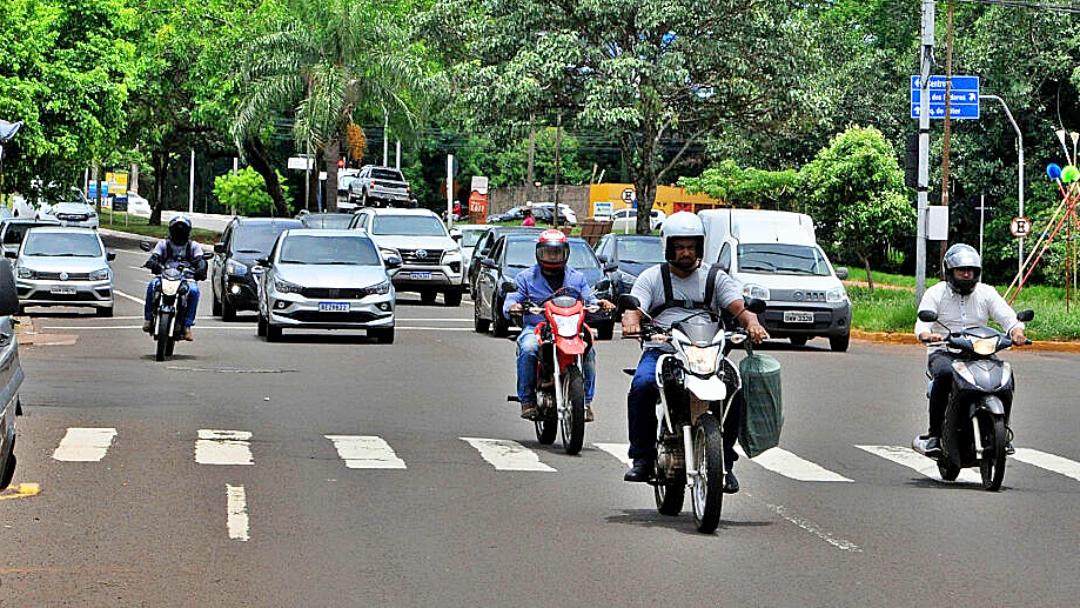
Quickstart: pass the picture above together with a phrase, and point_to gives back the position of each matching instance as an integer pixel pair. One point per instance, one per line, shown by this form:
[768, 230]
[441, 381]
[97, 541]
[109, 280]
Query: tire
[546, 431]
[452, 298]
[670, 494]
[799, 341]
[273, 334]
[228, 313]
[500, 327]
[947, 470]
[382, 335]
[992, 464]
[573, 424]
[216, 306]
[707, 494]
[840, 343]
[170, 346]
[161, 333]
[261, 328]
[105, 312]
[363, 200]
[8, 473]
[480, 325]
[427, 296]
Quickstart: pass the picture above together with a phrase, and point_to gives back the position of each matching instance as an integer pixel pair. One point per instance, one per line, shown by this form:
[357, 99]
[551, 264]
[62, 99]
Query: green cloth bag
[763, 412]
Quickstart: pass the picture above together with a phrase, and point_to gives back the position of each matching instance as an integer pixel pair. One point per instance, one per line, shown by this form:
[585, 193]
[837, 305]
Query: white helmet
[682, 225]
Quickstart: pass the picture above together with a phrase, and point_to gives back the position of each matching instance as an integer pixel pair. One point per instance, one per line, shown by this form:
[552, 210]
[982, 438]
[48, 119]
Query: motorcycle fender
[706, 389]
[167, 309]
[989, 403]
[571, 347]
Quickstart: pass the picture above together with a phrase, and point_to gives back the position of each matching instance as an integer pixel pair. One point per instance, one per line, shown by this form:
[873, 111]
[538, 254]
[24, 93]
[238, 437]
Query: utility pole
[558, 141]
[529, 178]
[948, 121]
[926, 62]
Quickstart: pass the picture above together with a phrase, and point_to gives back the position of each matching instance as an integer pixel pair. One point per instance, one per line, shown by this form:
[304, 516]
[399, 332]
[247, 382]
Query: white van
[776, 258]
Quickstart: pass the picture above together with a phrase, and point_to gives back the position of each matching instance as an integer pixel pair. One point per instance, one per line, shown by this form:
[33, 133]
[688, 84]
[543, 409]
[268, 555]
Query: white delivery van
[776, 258]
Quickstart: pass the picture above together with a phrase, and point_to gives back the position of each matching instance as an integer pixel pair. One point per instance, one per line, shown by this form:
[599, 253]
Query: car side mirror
[264, 262]
[754, 305]
[457, 236]
[627, 302]
[488, 263]
[927, 316]
[11, 253]
[146, 246]
[9, 295]
[1025, 315]
[110, 255]
[509, 286]
[393, 262]
[603, 259]
[611, 266]
[208, 255]
[842, 273]
[219, 247]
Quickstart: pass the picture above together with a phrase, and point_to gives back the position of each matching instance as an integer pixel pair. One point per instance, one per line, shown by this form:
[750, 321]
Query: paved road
[328, 470]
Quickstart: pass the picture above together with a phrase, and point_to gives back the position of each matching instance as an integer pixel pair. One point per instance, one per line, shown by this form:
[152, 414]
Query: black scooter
[975, 432]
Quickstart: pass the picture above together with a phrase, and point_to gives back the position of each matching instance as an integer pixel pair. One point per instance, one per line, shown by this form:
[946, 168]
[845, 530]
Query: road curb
[910, 340]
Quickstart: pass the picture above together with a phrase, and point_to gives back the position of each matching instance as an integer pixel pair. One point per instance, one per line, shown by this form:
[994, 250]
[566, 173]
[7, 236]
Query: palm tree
[327, 62]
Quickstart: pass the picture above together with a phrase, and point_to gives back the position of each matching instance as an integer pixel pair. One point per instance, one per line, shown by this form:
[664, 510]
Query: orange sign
[478, 207]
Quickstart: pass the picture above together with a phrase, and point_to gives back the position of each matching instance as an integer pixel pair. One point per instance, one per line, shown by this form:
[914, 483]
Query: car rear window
[469, 238]
[258, 238]
[59, 244]
[386, 174]
[327, 220]
[338, 250]
[408, 225]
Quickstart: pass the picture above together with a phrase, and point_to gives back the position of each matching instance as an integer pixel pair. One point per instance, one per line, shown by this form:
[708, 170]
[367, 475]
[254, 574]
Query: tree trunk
[259, 160]
[312, 202]
[333, 151]
[642, 168]
[869, 277]
[160, 162]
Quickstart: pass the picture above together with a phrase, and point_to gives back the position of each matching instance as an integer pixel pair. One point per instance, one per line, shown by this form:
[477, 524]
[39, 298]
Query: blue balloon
[1053, 171]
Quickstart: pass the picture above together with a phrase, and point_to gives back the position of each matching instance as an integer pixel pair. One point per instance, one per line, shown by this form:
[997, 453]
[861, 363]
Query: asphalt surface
[148, 519]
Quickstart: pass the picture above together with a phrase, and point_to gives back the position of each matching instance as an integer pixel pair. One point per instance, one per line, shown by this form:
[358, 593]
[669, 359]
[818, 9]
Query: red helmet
[552, 250]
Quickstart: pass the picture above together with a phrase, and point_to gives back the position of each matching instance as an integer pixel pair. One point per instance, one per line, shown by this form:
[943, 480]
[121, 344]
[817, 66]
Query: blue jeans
[192, 299]
[641, 413]
[528, 355]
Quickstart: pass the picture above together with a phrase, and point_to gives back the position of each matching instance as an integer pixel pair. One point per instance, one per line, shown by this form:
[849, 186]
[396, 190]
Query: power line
[1045, 6]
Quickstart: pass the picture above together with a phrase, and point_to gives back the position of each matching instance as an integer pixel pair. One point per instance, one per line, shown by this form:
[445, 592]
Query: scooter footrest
[513, 398]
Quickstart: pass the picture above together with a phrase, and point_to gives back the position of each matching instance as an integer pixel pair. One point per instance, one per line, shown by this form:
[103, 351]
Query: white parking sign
[628, 195]
[1020, 227]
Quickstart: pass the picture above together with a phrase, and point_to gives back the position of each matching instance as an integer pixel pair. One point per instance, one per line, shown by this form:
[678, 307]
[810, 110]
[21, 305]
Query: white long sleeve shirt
[956, 312]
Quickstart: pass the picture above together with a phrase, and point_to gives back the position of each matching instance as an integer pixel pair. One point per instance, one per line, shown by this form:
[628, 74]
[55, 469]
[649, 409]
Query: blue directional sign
[963, 102]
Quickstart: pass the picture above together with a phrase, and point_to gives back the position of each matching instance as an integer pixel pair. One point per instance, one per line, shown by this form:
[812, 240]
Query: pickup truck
[380, 187]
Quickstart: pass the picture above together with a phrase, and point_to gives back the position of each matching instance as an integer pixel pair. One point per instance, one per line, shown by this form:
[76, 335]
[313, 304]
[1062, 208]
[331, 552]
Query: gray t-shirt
[649, 290]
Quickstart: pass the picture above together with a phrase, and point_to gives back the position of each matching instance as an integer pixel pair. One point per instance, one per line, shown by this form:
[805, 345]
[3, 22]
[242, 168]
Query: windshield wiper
[763, 266]
[300, 262]
[248, 251]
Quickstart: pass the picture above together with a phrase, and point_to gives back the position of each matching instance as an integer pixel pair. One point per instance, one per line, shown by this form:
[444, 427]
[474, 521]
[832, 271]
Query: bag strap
[710, 285]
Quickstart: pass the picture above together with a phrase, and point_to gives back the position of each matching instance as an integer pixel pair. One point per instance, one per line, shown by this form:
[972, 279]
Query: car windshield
[408, 225]
[522, 254]
[780, 258]
[257, 238]
[641, 251]
[386, 174]
[327, 220]
[582, 256]
[57, 244]
[329, 250]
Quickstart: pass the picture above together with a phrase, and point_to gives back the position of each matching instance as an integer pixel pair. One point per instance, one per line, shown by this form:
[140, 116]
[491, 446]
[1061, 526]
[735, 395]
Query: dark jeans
[641, 413]
[939, 363]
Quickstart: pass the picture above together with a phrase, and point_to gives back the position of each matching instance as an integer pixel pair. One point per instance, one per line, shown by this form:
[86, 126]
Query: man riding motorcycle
[548, 275]
[170, 253]
[960, 301]
[668, 292]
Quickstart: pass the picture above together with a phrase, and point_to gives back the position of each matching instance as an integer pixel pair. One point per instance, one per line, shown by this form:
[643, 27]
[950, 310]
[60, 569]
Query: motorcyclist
[548, 275]
[170, 253]
[960, 301]
[669, 292]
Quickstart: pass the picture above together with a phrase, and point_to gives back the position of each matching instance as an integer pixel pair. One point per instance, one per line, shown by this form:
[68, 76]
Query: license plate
[421, 276]
[333, 307]
[63, 291]
[791, 316]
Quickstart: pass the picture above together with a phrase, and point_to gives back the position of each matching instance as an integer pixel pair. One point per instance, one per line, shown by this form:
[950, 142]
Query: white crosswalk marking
[366, 452]
[84, 444]
[791, 466]
[236, 510]
[506, 455]
[618, 450]
[913, 460]
[1050, 462]
[223, 447]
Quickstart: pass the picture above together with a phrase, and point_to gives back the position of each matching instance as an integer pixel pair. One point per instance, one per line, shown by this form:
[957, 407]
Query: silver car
[60, 266]
[326, 279]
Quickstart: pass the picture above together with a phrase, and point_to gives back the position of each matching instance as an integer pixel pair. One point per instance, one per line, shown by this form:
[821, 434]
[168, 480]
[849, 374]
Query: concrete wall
[503, 199]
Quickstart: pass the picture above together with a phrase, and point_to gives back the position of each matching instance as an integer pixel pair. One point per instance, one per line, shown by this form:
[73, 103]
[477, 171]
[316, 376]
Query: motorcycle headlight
[985, 346]
[702, 360]
[100, 275]
[567, 327]
[286, 287]
[756, 291]
[836, 295]
[170, 288]
[26, 273]
[380, 289]
[236, 268]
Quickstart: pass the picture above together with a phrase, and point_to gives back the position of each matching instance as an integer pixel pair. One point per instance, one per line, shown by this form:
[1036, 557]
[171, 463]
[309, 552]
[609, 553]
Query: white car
[625, 220]
[137, 205]
[59, 266]
[80, 215]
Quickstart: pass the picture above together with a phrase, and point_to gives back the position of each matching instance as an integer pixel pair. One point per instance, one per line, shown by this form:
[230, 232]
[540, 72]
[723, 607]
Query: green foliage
[744, 187]
[245, 192]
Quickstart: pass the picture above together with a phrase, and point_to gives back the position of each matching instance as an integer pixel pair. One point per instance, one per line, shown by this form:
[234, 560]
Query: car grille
[342, 294]
[430, 257]
[72, 217]
[55, 276]
[81, 296]
[313, 316]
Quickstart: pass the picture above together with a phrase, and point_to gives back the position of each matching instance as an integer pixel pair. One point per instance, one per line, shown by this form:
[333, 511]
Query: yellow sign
[117, 183]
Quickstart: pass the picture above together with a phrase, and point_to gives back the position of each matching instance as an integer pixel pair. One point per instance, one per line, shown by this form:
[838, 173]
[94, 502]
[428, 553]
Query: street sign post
[964, 98]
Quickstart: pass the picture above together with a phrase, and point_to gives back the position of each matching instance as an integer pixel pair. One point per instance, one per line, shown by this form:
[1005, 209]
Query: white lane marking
[139, 327]
[223, 447]
[789, 465]
[84, 444]
[435, 328]
[913, 460]
[436, 320]
[1050, 462]
[618, 450]
[809, 526]
[128, 296]
[366, 452]
[237, 512]
[506, 455]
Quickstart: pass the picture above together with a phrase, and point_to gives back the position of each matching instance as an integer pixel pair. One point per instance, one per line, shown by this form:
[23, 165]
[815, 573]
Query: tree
[245, 192]
[744, 187]
[854, 190]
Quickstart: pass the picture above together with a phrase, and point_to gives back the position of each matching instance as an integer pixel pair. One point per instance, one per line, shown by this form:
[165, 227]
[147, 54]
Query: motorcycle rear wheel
[992, 464]
[707, 494]
[669, 493]
[948, 471]
[573, 424]
[161, 332]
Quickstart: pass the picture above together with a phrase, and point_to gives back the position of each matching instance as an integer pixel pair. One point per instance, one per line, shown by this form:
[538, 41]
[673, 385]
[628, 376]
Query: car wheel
[480, 324]
[798, 340]
[363, 200]
[453, 297]
[273, 334]
[500, 328]
[840, 343]
[261, 329]
[216, 304]
[382, 335]
[427, 296]
[228, 313]
[105, 312]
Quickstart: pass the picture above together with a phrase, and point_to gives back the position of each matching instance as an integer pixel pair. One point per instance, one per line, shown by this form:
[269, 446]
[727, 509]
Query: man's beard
[685, 265]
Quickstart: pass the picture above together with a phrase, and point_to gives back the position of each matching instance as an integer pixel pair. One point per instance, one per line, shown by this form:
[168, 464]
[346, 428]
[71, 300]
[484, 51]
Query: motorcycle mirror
[208, 255]
[219, 247]
[1025, 315]
[927, 316]
[627, 302]
[110, 256]
[509, 286]
[146, 246]
[754, 305]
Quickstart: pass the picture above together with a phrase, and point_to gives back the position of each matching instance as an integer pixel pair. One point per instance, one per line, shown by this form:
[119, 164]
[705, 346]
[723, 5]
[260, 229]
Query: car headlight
[233, 267]
[387, 252]
[380, 289]
[452, 255]
[26, 273]
[100, 275]
[286, 287]
[836, 295]
[92, 214]
[756, 291]
[700, 360]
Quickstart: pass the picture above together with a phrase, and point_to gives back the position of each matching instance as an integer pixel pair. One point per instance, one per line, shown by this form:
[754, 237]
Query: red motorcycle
[565, 340]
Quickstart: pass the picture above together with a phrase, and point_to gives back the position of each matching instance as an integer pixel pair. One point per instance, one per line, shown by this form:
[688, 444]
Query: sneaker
[589, 417]
[528, 410]
[640, 472]
[1009, 449]
[190, 337]
[148, 326]
[927, 445]
[731, 483]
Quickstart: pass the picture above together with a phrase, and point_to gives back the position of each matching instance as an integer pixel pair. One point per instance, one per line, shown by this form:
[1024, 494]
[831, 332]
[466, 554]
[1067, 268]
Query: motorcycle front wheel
[546, 431]
[707, 490]
[572, 420]
[162, 335]
[670, 493]
[992, 463]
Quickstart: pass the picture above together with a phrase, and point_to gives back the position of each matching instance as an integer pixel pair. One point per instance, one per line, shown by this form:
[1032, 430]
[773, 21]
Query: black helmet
[961, 256]
[179, 229]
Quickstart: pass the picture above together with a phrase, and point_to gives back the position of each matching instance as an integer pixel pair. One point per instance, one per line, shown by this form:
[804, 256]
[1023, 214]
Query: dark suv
[232, 271]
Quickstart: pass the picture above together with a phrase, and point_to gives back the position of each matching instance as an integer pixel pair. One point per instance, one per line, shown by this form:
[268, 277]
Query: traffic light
[341, 163]
[911, 160]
